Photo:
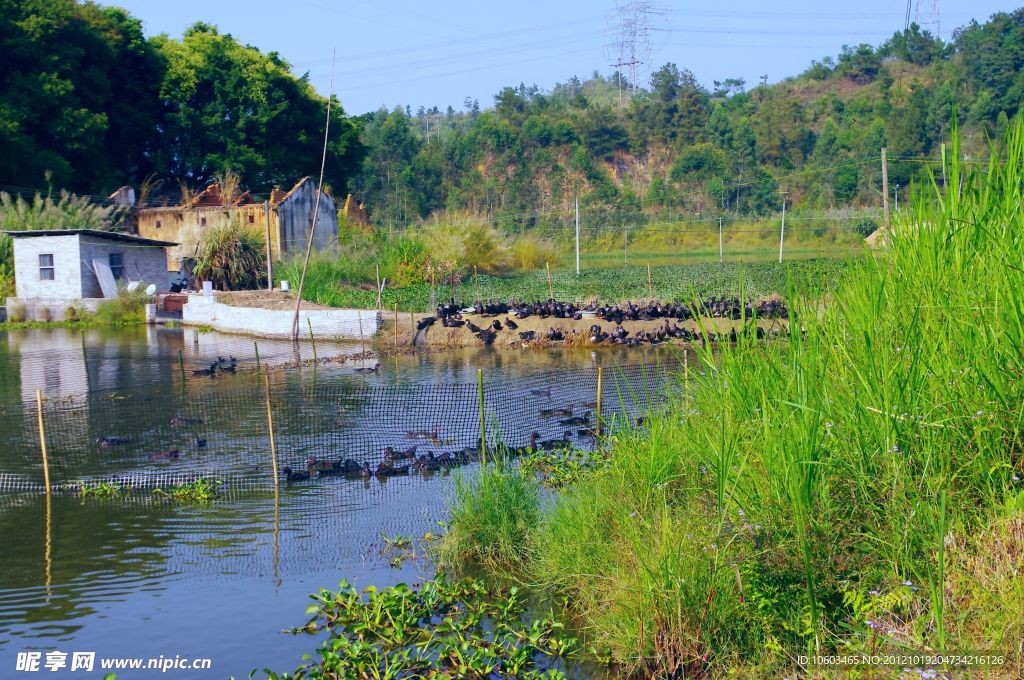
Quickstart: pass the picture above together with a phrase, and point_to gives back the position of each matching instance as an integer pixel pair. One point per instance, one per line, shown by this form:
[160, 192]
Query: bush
[533, 252]
[129, 307]
[233, 257]
[469, 242]
[491, 518]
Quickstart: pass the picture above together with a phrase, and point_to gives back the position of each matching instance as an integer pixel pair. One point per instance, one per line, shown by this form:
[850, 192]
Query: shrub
[233, 257]
[533, 252]
[129, 307]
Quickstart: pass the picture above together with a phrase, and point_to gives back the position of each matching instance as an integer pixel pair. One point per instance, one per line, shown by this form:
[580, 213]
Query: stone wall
[346, 324]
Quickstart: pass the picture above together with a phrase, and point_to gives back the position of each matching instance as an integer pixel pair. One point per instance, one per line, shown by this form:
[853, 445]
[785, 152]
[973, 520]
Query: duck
[321, 466]
[496, 325]
[211, 371]
[199, 443]
[390, 455]
[427, 463]
[510, 324]
[552, 412]
[367, 369]
[385, 470]
[173, 454]
[432, 435]
[528, 336]
[425, 323]
[294, 476]
[183, 421]
[550, 444]
[542, 392]
[576, 420]
[487, 336]
[112, 440]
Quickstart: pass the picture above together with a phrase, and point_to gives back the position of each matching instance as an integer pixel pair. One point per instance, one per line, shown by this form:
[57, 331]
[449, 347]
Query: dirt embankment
[264, 299]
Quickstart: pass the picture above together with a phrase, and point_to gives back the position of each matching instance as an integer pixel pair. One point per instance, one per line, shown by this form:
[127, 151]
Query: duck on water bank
[294, 476]
[555, 412]
[366, 369]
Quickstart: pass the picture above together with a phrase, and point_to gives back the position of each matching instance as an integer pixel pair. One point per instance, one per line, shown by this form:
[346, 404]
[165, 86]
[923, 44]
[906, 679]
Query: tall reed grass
[856, 489]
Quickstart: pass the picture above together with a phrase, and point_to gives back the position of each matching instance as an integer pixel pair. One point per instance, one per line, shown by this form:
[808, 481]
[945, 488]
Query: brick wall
[67, 267]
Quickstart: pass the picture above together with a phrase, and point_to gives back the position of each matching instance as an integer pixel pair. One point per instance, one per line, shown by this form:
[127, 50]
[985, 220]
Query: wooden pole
[270, 255]
[379, 288]
[551, 285]
[885, 185]
[476, 282]
[650, 281]
[600, 392]
[42, 440]
[257, 348]
[396, 324]
[483, 418]
[311, 338]
[270, 429]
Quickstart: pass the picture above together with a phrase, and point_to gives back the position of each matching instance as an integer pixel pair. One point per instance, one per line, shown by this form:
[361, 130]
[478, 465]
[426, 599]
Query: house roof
[108, 235]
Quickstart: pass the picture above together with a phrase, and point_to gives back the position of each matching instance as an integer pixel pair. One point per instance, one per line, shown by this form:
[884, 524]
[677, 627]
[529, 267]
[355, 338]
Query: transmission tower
[630, 25]
[926, 15]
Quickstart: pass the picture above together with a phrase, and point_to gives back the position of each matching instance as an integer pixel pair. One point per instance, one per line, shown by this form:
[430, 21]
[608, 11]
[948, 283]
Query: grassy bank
[325, 285]
[858, 489]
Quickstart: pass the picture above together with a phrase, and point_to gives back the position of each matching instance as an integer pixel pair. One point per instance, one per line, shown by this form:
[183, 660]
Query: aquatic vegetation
[198, 490]
[562, 467]
[397, 550]
[99, 489]
[463, 629]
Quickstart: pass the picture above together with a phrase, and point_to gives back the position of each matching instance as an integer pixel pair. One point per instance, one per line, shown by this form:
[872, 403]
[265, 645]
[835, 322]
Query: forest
[89, 103]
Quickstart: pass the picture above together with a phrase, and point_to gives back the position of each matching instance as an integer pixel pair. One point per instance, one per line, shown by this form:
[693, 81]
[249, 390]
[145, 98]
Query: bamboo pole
[311, 338]
[42, 439]
[48, 547]
[483, 417]
[551, 286]
[379, 289]
[476, 282]
[396, 324]
[257, 348]
[650, 281]
[181, 365]
[270, 429]
[600, 392]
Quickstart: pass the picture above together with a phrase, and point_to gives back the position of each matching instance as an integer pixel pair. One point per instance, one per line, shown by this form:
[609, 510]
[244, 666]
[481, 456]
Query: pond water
[143, 578]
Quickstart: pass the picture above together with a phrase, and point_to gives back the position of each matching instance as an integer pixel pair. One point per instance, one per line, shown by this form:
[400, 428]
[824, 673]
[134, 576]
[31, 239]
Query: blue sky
[436, 54]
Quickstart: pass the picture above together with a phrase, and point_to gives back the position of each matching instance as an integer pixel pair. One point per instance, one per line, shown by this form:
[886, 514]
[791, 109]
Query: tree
[232, 108]
[77, 95]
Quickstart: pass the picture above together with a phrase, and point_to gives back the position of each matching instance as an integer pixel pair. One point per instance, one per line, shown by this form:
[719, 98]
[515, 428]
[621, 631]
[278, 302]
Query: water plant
[464, 629]
[197, 490]
[563, 467]
[100, 489]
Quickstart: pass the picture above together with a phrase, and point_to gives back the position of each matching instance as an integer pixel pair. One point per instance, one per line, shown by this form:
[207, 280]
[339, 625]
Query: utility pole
[885, 186]
[782, 231]
[721, 257]
[577, 235]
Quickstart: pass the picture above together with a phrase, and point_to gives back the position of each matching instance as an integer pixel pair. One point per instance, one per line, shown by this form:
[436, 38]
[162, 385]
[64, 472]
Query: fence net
[154, 439]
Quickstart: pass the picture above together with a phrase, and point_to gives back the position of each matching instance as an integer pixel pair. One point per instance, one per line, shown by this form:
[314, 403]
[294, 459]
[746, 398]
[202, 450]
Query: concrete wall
[141, 263]
[327, 323]
[48, 309]
[67, 281]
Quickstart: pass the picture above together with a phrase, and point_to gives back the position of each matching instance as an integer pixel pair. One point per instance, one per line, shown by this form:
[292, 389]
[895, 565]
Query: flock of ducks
[452, 315]
[229, 365]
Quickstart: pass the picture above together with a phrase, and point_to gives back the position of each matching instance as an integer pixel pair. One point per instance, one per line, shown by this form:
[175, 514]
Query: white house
[58, 268]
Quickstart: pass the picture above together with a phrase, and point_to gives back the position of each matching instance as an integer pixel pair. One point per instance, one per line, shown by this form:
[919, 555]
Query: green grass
[492, 514]
[857, 489]
[607, 284]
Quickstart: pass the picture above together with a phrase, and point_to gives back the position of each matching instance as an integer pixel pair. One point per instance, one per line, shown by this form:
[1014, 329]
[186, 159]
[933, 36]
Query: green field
[615, 283]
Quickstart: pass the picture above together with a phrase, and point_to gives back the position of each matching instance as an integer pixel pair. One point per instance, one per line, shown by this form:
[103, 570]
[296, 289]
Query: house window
[252, 218]
[202, 221]
[158, 224]
[46, 267]
[117, 265]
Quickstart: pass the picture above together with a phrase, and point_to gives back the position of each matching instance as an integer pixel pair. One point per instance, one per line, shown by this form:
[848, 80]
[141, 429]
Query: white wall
[327, 323]
[141, 263]
[67, 281]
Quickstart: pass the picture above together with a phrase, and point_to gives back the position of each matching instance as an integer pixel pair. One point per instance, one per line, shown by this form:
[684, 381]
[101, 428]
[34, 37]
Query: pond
[141, 577]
